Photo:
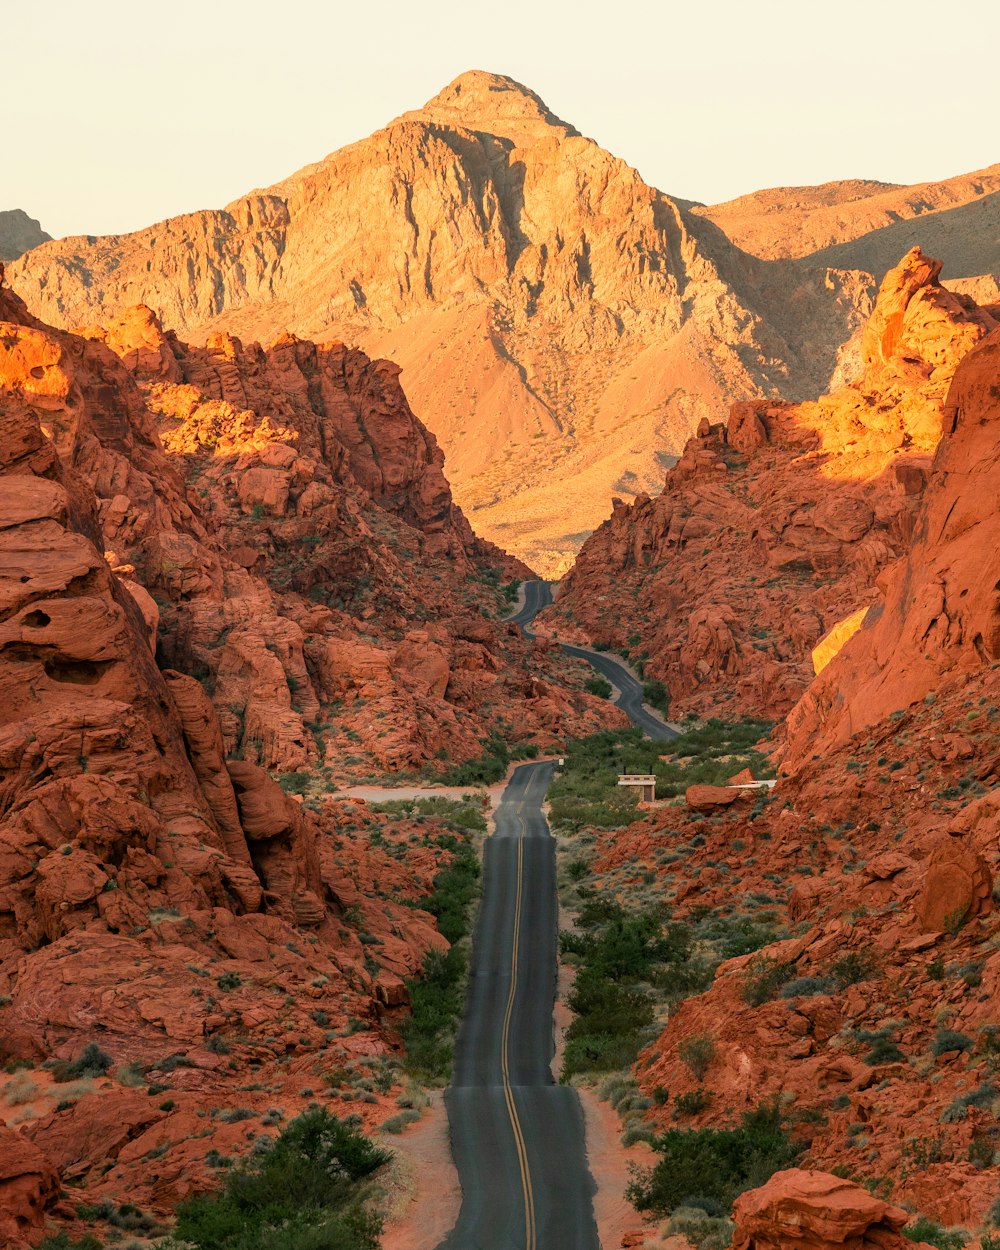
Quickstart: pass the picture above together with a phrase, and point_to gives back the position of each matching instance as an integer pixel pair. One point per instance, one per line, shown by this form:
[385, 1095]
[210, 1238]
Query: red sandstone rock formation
[28, 1184]
[804, 1210]
[178, 615]
[774, 527]
[939, 607]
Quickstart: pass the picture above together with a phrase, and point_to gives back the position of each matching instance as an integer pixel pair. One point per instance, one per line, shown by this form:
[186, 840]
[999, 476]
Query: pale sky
[119, 113]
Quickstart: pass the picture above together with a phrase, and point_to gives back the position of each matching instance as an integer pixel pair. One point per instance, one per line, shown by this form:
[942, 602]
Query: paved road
[537, 596]
[517, 1138]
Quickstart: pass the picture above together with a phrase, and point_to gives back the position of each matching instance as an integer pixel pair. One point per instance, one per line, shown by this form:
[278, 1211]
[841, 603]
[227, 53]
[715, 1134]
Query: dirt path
[425, 1208]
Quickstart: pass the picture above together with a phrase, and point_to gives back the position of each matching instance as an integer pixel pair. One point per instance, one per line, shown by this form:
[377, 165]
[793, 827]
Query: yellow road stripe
[522, 1153]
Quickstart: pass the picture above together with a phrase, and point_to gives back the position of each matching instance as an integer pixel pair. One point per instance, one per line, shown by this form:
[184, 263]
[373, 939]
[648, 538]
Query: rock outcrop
[938, 612]
[774, 527]
[804, 1210]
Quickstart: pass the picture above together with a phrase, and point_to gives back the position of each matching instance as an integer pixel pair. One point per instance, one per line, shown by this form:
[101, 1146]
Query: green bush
[853, 968]
[438, 995]
[764, 978]
[983, 1096]
[710, 1167]
[923, 1229]
[655, 693]
[697, 1052]
[92, 1061]
[692, 1101]
[306, 1192]
[599, 685]
[61, 1241]
[949, 1040]
[485, 770]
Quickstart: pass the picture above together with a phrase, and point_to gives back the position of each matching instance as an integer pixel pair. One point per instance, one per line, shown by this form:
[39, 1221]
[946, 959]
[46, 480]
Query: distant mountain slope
[19, 233]
[561, 325]
[859, 224]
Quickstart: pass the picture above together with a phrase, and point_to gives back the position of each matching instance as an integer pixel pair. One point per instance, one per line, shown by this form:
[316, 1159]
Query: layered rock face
[802, 1210]
[562, 326]
[775, 526]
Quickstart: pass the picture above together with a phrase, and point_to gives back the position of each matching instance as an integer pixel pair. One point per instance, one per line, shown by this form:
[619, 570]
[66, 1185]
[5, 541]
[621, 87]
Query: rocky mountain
[772, 530]
[562, 327]
[865, 225]
[19, 233]
[228, 578]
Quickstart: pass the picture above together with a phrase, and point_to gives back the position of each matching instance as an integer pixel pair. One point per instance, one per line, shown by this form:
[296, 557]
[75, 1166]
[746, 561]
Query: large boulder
[28, 1184]
[806, 1210]
[958, 885]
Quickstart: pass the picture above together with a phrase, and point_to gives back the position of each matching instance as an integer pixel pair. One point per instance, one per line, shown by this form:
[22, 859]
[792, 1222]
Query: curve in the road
[538, 595]
[517, 1138]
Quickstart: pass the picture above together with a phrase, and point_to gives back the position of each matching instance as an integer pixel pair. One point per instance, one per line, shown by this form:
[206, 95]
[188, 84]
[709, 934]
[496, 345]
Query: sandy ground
[424, 1207]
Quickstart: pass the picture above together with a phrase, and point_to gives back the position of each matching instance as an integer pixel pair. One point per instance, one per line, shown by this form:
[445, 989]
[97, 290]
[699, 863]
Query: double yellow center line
[508, 1093]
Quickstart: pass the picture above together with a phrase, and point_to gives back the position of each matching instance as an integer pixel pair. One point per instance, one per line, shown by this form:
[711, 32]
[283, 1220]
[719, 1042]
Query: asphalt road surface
[537, 596]
[517, 1138]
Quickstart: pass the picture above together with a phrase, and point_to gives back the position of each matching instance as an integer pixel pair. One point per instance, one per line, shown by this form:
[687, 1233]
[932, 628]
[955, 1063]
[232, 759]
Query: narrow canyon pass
[361, 883]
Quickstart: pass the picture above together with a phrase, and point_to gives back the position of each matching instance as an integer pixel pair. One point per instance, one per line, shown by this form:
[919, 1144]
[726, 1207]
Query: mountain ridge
[508, 242]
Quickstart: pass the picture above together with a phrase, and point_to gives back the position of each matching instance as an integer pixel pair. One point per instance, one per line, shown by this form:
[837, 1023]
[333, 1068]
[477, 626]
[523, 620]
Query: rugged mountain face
[19, 233]
[277, 583]
[775, 525]
[562, 326]
[867, 225]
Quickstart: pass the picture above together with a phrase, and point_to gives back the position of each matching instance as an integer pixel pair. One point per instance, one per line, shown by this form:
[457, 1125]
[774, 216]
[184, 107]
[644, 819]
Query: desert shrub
[982, 1096]
[882, 1048]
[764, 978]
[655, 693]
[697, 1053]
[707, 1232]
[489, 767]
[22, 1089]
[294, 783]
[948, 1040]
[692, 1101]
[61, 1241]
[709, 1167]
[923, 1229]
[306, 1192]
[853, 968]
[598, 685]
[396, 1123]
[805, 987]
[92, 1061]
